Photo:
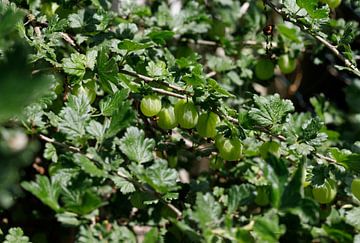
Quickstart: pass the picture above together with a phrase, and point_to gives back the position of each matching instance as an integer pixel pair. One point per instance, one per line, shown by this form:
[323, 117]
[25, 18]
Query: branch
[320, 156]
[147, 79]
[331, 47]
[165, 92]
[201, 42]
[53, 141]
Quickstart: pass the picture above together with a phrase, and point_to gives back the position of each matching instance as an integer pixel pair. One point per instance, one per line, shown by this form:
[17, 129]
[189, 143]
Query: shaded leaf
[48, 192]
[88, 166]
[80, 201]
[267, 228]
[111, 103]
[207, 211]
[107, 69]
[121, 181]
[239, 195]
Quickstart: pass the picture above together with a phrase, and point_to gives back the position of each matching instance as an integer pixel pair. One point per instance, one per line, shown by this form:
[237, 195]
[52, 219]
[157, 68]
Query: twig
[53, 141]
[136, 75]
[149, 79]
[174, 209]
[331, 47]
[165, 92]
[211, 74]
[201, 42]
[67, 38]
[243, 9]
[320, 156]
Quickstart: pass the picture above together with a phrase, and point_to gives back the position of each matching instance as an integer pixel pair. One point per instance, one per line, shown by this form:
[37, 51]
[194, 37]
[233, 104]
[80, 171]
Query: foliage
[225, 162]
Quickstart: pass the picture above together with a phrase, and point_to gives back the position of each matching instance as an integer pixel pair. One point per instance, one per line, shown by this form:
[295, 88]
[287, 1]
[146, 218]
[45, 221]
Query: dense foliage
[183, 121]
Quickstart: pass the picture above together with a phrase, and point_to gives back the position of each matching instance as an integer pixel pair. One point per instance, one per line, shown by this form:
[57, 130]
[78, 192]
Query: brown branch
[68, 39]
[169, 93]
[331, 47]
[201, 42]
[53, 141]
[211, 74]
[320, 156]
[149, 79]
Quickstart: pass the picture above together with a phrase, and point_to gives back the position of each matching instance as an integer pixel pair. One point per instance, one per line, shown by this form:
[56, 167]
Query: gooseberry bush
[179, 121]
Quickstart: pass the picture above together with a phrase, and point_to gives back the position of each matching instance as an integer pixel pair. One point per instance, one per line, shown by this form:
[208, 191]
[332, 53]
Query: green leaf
[75, 64]
[68, 219]
[220, 64]
[157, 69]
[240, 195]
[153, 236]
[352, 162]
[9, 20]
[315, 12]
[98, 130]
[292, 194]
[135, 146]
[307, 210]
[270, 110]
[122, 181]
[339, 155]
[353, 217]
[48, 192]
[122, 115]
[160, 36]
[74, 117]
[81, 202]
[130, 45]
[124, 185]
[91, 59]
[291, 6]
[76, 20]
[111, 103]
[290, 33]
[88, 166]
[100, 233]
[18, 87]
[311, 128]
[50, 152]
[16, 235]
[194, 79]
[270, 147]
[338, 235]
[107, 69]
[187, 230]
[160, 177]
[276, 173]
[347, 159]
[217, 90]
[302, 148]
[207, 212]
[267, 228]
